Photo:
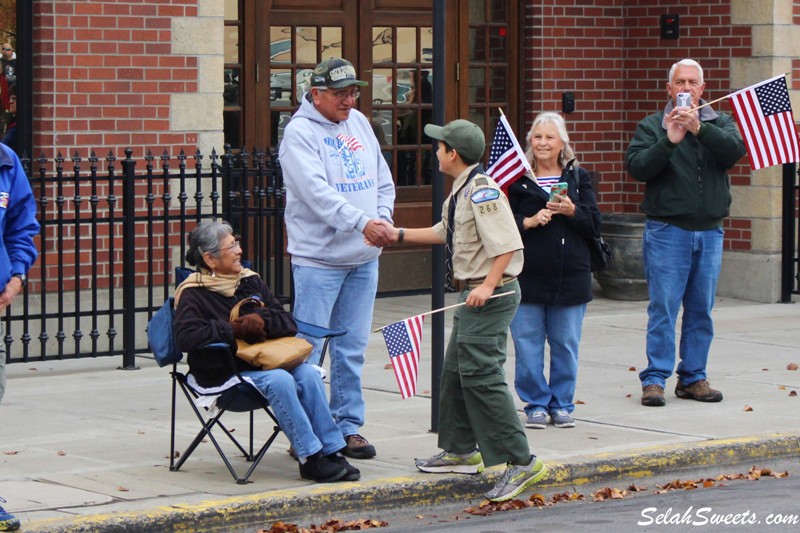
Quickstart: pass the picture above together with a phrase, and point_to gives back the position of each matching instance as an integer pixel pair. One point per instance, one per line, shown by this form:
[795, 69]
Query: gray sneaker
[446, 462]
[517, 478]
[561, 419]
[536, 420]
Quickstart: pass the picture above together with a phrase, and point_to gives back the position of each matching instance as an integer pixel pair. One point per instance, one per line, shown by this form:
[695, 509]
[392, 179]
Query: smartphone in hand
[560, 189]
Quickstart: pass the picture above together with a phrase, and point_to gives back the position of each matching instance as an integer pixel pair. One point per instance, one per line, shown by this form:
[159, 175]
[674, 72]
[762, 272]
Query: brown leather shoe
[653, 396]
[358, 447]
[699, 390]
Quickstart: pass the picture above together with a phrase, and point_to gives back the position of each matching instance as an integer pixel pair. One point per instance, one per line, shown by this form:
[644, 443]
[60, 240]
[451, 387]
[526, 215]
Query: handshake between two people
[380, 233]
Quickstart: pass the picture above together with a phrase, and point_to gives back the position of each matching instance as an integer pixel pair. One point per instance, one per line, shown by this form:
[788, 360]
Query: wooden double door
[274, 45]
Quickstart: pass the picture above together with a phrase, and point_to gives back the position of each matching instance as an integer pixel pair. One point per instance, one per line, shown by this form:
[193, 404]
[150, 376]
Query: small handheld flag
[764, 114]
[403, 341]
[507, 162]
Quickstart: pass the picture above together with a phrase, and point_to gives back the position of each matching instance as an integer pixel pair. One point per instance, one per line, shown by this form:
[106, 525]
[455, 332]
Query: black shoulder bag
[600, 252]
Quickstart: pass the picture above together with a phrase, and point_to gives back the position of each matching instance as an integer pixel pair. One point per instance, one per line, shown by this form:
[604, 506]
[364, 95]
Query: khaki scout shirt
[484, 228]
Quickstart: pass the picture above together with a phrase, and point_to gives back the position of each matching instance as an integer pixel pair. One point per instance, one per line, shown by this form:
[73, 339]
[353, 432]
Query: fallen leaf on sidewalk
[123, 489]
[791, 366]
[331, 526]
[793, 393]
[781, 387]
[387, 366]
[747, 408]
[62, 453]
[10, 453]
[580, 402]
[631, 369]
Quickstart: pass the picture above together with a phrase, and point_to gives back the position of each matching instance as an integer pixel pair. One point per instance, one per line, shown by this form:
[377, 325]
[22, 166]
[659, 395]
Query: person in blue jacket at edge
[18, 226]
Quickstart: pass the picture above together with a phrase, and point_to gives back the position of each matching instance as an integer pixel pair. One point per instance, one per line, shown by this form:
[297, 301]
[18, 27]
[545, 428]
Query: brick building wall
[610, 54]
[111, 74]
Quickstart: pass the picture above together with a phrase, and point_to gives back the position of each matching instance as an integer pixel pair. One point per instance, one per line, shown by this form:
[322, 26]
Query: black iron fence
[790, 252]
[113, 232]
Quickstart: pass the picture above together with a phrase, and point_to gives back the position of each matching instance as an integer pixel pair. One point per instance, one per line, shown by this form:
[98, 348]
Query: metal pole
[788, 260]
[129, 263]
[437, 198]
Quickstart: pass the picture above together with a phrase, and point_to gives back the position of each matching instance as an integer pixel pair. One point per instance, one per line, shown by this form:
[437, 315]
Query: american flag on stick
[403, 341]
[764, 114]
[507, 161]
[350, 141]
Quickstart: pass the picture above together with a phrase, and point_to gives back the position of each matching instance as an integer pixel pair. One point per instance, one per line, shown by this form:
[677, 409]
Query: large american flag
[764, 114]
[507, 161]
[403, 341]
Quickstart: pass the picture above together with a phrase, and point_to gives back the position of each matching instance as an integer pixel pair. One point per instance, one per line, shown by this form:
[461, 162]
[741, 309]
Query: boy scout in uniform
[476, 406]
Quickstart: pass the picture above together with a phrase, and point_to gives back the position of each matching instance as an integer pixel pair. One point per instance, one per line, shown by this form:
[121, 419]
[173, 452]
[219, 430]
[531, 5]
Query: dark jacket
[201, 318]
[687, 184]
[557, 267]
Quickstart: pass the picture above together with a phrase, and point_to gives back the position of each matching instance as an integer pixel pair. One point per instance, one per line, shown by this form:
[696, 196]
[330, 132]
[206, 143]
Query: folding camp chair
[239, 395]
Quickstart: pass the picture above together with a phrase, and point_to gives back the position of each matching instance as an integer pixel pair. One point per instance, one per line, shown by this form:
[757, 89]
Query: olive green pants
[476, 407]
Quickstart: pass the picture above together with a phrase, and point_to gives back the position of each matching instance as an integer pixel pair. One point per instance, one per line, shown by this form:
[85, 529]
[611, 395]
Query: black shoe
[358, 447]
[318, 468]
[353, 473]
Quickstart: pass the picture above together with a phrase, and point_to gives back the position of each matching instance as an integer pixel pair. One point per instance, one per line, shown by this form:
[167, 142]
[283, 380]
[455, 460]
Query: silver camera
[683, 100]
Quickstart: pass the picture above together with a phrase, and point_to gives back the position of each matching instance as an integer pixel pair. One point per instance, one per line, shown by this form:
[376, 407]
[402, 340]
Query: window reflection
[331, 43]
[306, 45]
[406, 45]
[280, 44]
[231, 89]
[381, 45]
[278, 122]
[280, 86]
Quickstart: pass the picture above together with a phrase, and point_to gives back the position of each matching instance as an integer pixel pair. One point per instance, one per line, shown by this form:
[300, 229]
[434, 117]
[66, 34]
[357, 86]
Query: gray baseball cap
[466, 137]
[335, 73]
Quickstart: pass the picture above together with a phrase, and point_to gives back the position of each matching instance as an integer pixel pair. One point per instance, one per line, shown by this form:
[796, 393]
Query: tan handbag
[283, 352]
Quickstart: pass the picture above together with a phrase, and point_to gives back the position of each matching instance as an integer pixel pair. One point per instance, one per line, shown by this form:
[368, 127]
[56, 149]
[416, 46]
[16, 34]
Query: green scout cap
[466, 137]
[335, 73]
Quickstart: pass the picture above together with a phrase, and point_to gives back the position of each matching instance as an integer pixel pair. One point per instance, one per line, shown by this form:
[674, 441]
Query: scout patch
[484, 195]
[481, 182]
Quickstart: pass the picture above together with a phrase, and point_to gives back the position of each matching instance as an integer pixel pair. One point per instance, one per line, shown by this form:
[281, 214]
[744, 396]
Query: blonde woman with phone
[556, 214]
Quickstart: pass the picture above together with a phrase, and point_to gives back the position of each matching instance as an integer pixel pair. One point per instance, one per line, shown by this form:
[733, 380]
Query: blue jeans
[681, 267]
[340, 299]
[561, 327]
[297, 398]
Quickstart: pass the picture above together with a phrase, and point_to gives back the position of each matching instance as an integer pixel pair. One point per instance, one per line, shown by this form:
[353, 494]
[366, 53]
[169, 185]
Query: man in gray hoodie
[338, 188]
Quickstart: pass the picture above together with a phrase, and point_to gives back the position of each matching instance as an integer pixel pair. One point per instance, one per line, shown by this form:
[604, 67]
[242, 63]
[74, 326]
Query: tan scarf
[225, 285]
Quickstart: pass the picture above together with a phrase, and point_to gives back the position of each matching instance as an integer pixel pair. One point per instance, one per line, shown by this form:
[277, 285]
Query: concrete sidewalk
[85, 446]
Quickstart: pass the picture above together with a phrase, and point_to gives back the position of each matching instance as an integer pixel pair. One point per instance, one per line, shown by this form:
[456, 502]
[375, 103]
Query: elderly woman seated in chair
[203, 303]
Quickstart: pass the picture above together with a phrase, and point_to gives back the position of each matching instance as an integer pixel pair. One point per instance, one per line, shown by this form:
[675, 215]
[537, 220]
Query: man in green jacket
[683, 155]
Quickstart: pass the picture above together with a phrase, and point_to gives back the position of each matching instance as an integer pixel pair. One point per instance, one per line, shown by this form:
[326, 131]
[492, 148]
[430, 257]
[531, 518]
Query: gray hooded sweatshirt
[336, 181]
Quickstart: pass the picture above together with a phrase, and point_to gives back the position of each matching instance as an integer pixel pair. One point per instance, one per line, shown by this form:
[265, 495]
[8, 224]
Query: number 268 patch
[488, 207]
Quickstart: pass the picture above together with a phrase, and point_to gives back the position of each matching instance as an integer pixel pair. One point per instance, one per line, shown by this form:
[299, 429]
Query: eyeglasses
[343, 94]
[230, 248]
[8, 49]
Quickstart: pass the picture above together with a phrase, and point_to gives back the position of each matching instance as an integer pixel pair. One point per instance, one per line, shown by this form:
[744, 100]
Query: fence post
[790, 254]
[129, 263]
